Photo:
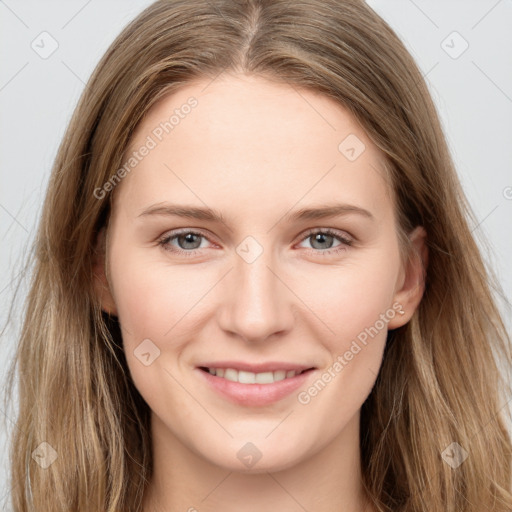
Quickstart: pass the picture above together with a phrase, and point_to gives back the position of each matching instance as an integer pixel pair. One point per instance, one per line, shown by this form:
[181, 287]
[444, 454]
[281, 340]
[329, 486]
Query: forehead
[240, 137]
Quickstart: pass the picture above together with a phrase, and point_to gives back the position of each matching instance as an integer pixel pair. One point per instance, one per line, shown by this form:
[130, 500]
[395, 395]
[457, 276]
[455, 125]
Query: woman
[155, 375]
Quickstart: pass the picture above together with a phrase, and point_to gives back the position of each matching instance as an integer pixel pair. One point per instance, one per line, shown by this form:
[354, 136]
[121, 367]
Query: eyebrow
[212, 215]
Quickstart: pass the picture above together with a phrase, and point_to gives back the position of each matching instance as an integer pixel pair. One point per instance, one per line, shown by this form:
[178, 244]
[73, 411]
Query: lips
[254, 384]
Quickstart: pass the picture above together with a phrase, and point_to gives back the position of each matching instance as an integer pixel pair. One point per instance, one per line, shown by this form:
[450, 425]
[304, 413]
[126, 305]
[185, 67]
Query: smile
[254, 388]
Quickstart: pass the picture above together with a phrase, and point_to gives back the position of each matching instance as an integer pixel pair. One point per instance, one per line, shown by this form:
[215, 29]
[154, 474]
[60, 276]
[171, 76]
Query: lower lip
[255, 395]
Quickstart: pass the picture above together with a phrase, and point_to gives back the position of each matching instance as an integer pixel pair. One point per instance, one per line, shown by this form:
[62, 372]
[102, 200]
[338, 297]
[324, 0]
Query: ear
[412, 279]
[101, 285]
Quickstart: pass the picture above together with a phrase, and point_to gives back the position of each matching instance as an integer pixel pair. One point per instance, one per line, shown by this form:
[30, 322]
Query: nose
[257, 302]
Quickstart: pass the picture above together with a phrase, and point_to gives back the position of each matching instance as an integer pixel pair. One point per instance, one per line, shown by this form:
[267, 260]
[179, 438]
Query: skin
[255, 150]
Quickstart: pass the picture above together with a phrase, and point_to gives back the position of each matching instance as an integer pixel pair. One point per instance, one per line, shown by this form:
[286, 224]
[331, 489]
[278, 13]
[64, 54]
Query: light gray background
[473, 93]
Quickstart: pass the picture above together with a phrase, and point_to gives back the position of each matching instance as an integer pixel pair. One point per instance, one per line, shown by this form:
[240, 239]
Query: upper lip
[271, 366]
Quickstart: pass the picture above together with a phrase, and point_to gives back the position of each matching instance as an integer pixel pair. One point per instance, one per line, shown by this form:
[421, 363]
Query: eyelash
[345, 242]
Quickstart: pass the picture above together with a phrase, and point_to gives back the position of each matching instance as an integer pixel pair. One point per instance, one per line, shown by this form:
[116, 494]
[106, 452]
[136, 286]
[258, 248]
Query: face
[228, 283]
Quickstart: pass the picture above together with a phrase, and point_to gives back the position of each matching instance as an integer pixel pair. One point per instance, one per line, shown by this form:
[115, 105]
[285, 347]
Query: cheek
[351, 297]
[152, 297]
[152, 300]
[156, 302]
[356, 307]
[357, 313]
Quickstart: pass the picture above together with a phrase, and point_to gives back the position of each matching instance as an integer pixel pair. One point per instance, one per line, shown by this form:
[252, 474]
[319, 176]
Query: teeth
[246, 377]
[252, 378]
[265, 378]
[231, 374]
[279, 375]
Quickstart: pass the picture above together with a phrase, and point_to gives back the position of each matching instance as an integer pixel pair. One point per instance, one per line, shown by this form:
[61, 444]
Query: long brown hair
[440, 381]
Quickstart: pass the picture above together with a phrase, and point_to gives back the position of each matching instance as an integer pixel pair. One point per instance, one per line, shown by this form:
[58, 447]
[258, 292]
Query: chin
[267, 461]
